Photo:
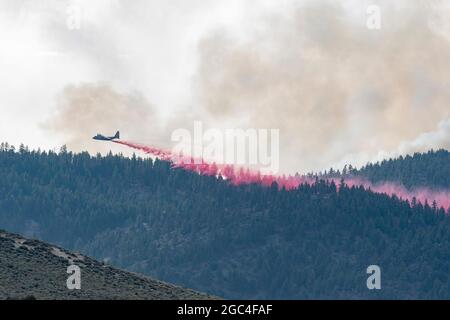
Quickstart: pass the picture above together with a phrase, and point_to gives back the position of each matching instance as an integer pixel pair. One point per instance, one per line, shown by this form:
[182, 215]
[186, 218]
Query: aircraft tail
[117, 136]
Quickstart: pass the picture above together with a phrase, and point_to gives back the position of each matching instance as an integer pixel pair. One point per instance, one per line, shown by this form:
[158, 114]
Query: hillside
[234, 242]
[31, 269]
[430, 169]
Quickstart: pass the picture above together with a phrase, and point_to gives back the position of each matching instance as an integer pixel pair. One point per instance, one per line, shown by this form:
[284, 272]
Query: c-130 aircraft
[104, 138]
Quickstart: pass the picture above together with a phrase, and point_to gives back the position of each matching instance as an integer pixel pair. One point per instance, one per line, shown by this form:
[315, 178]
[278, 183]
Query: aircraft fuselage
[104, 138]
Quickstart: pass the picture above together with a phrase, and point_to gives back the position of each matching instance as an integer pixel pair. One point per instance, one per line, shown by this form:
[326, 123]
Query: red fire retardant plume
[239, 176]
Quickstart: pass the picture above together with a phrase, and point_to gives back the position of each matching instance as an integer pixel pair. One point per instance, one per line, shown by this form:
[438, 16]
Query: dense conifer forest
[243, 241]
[430, 169]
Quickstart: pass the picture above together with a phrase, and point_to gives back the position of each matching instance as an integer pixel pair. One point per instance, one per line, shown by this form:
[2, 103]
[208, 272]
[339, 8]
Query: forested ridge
[243, 241]
[430, 169]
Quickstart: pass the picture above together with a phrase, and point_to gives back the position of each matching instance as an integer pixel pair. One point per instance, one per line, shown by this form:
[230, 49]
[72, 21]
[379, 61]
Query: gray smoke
[337, 90]
[87, 109]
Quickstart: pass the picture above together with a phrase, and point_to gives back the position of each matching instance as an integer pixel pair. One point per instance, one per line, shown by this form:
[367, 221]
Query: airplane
[103, 138]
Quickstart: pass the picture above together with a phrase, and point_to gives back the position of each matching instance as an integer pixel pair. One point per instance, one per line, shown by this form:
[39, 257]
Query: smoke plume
[333, 87]
[338, 91]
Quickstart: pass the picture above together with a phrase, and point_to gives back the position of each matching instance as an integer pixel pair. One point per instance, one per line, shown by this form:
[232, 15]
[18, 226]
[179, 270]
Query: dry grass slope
[37, 270]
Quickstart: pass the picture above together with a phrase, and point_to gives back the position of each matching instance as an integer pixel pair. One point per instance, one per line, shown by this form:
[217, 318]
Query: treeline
[430, 169]
[236, 242]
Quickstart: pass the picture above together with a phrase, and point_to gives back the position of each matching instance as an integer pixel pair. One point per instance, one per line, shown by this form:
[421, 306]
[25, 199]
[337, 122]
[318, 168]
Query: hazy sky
[338, 91]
